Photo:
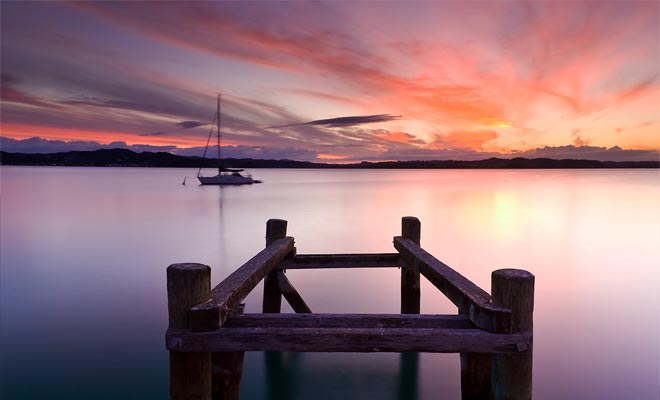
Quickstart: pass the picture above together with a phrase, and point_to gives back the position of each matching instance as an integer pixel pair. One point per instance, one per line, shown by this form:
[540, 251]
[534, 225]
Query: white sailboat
[226, 176]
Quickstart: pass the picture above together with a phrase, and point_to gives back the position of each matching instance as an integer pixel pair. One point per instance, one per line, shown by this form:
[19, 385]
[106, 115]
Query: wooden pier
[209, 332]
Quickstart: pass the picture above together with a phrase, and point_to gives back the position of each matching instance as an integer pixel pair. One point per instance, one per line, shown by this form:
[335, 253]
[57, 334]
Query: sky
[335, 81]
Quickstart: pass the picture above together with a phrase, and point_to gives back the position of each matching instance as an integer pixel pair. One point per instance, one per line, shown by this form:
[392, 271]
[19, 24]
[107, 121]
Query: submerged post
[512, 373]
[227, 370]
[272, 301]
[410, 291]
[190, 373]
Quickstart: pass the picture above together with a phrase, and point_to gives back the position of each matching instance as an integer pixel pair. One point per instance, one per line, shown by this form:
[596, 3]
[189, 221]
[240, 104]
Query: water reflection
[83, 253]
[408, 371]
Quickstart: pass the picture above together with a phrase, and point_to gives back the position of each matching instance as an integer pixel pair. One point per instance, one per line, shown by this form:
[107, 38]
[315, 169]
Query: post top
[188, 267]
[512, 273]
[411, 228]
[276, 221]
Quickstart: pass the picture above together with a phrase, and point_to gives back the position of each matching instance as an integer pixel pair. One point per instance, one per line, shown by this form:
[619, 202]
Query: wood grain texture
[471, 300]
[346, 340]
[231, 291]
[190, 373]
[227, 370]
[512, 373]
[367, 260]
[291, 294]
[411, 294]
[411, 321]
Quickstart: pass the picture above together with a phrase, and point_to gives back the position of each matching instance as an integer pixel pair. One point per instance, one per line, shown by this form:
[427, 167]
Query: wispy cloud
[191, 124]
[342, 122]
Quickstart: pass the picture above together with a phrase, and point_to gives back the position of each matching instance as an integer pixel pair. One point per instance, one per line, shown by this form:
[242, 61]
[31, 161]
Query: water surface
[84, 251]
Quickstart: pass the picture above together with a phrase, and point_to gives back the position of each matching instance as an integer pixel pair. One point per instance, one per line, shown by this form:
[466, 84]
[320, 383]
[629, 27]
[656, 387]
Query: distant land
[128, 158]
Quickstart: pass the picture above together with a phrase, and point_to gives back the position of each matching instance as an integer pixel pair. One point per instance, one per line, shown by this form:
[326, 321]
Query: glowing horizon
[336, 81]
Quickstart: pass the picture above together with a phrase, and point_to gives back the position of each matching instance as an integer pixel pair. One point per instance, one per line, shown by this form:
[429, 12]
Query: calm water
[84, 251]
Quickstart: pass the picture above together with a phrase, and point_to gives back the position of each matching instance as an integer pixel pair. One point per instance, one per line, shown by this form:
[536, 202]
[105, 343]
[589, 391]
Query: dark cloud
[190, 124]
[350, 153]
[153, 134]
[591, 153]
[256, 152]
[39, 145]
[343, 122]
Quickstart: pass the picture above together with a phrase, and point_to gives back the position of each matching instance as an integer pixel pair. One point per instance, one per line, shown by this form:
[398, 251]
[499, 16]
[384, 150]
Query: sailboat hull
[225, 179]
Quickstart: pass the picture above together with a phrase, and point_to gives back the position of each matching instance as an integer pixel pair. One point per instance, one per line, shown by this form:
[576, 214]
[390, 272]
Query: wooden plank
[231, 291]
[314, 261]
[412, 321]
[471, 300]
[291, 294]
[347, 340]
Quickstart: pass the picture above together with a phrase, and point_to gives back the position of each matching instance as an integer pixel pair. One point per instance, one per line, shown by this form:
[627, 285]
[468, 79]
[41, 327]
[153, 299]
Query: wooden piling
[512, 373]
[227, 370]
[272, 301]
[493, 334]
[190, 373]
[476, 376]
[410, 289]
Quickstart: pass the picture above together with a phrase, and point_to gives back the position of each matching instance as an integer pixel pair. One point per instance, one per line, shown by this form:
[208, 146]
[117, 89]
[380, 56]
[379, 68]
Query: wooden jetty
[209, 332]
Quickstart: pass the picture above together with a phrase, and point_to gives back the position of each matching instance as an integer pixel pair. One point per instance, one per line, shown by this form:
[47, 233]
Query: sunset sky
[335, 82]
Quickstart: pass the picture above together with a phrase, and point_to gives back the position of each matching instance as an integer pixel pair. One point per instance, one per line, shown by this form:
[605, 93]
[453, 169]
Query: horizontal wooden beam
[349, 321]
[233, 289]
[347, 340]
[312, 261]
[471, 300]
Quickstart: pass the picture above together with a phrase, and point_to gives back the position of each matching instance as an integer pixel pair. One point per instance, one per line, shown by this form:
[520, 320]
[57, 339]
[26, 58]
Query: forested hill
[128, 158]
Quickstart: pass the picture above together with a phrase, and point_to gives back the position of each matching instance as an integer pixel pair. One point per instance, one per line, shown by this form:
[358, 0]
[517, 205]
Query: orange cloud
[25, 131]
[399, 137]
[474, 140]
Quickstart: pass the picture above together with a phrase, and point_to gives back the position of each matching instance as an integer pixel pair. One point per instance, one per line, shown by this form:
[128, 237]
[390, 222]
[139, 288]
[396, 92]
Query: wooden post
[512, 373]
[190, 373]
[227, 369]
[272, 301]
[476, 376]
[410, 291]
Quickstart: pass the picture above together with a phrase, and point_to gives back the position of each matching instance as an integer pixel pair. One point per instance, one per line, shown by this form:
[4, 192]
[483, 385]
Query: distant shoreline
[128, 158]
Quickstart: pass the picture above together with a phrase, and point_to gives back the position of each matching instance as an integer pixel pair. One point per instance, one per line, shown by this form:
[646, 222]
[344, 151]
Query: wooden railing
[208, 331]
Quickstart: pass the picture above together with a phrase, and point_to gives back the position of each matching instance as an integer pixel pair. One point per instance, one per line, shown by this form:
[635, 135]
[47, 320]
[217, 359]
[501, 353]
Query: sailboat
[226, 176]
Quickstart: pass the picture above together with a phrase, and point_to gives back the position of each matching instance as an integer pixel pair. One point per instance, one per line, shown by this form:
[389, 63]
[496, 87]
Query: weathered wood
[476, 376]
[190, 373]
[410, 286]
[230, 292]
[291, 294]
[275, 229]
[512, 374]
[272, 298]
[471, 300]
[315, 261]
[411, 229]
[347, 340]
[227, 369]
[410, 321]
[514, 289]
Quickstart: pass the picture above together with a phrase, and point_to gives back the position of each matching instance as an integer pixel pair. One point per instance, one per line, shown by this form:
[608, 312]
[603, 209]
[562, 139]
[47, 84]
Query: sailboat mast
[219, 162]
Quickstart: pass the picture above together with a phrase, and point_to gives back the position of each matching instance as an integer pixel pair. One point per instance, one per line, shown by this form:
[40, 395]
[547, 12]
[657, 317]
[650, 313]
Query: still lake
[83, 252]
